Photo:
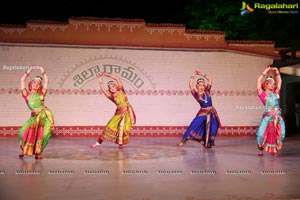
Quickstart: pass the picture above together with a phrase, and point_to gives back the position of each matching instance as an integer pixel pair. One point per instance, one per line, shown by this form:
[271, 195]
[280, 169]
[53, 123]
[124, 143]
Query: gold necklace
[205, 97]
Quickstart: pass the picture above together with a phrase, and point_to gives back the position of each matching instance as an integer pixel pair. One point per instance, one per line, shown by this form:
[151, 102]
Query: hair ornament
[200, 80]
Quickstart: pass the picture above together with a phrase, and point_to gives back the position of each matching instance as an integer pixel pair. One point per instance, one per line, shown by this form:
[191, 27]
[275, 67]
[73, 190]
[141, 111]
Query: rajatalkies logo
[246, 9]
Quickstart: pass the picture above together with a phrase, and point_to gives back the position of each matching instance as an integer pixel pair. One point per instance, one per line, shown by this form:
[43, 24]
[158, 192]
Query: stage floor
[150, 169]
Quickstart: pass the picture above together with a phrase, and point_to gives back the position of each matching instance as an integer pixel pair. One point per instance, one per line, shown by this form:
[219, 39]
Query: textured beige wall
[157, 87]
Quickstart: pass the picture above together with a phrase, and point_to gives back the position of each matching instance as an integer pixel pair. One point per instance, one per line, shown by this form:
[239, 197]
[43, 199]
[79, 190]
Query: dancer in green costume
[36, 132]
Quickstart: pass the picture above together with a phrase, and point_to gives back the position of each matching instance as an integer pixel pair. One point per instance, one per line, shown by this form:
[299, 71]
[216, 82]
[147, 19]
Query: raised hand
[275, 69]
[266, 70]
[195, 73]
[28, 71]
[42, 70]
[101, 75]
[199, 73]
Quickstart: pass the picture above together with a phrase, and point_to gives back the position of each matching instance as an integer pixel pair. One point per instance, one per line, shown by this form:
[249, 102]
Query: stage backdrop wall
[156, 82]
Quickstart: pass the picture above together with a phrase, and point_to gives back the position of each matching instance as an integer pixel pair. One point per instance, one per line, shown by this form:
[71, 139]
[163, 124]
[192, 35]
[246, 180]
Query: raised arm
[278, 79]
[105, 92]
[46, 81]
[208, 78]
[117, 79]
[260, 78]
[191, 83]
[23, 79]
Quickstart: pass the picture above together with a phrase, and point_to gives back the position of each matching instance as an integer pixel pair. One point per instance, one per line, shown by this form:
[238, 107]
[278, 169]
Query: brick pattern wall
[160, 97]
[154, 61]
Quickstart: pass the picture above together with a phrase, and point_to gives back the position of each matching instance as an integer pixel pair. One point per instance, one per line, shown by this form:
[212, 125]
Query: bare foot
[260, 153]
[95, 145]
[21, 155]
[274, 154]
[179, 144]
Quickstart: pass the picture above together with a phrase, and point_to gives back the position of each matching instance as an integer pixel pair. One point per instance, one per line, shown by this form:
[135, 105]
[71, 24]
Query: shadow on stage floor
[150, 168]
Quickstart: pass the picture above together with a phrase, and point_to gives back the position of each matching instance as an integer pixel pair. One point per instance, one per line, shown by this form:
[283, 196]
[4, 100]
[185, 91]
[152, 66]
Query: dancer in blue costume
[204, 127]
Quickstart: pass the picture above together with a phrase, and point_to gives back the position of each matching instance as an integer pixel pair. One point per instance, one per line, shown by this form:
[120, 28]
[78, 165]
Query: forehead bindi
[112, 85]
[36, 82]
[271, 82]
